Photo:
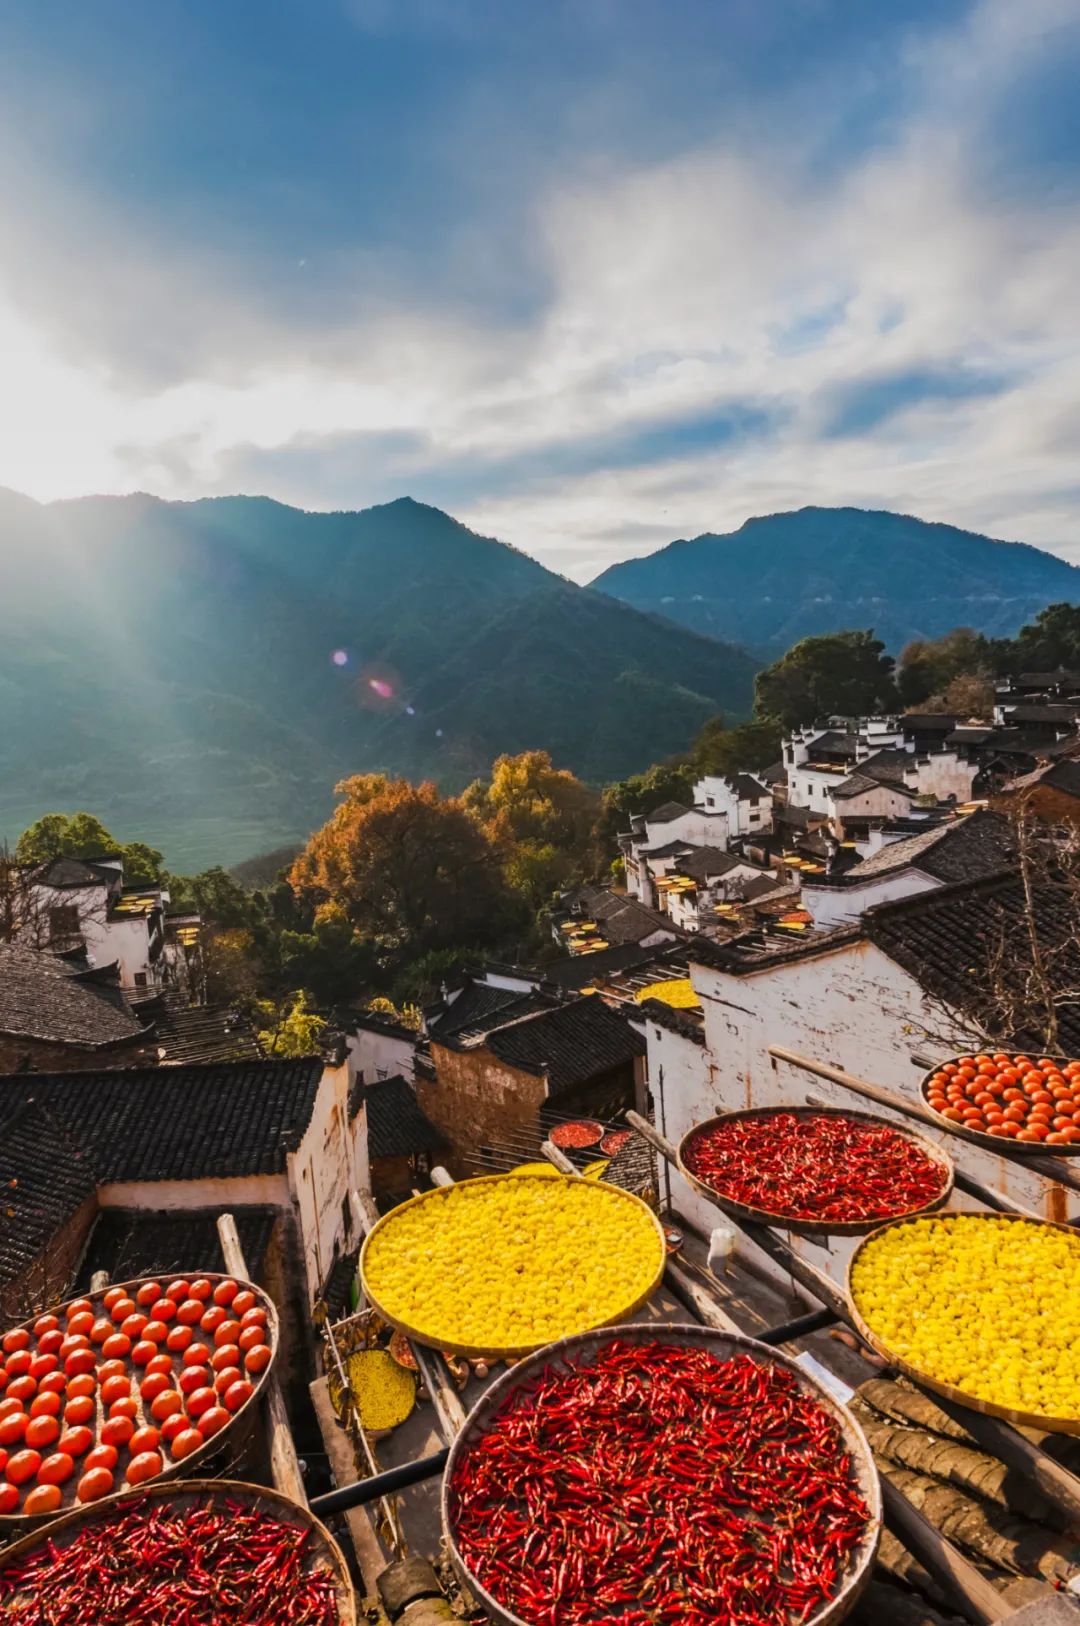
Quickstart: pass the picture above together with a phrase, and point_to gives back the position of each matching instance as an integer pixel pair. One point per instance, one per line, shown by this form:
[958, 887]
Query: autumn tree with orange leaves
[410, 870]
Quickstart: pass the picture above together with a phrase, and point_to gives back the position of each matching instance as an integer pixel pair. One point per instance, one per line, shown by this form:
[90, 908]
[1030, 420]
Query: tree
[928, 665]
[292, 1028]
[24, 914]
[744, 749]
[842, 674]
[410, 870]
[640, 793]
[214, 895]
[1052, 640]
[541, 818]
[971, 694]
[82, 835]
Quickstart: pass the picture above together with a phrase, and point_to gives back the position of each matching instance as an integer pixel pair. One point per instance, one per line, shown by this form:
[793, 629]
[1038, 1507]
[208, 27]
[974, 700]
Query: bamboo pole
[284, 1463]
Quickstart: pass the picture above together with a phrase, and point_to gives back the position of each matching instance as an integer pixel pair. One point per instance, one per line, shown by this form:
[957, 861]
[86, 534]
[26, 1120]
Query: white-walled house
[962, 849]
[870, 771]
[378, 1047]
[746, 802]
[83, 904]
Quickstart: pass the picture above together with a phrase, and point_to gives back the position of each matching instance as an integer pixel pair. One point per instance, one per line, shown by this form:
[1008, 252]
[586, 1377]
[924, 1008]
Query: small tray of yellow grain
[502, 1265]
[383, 1390]
[983, 1308]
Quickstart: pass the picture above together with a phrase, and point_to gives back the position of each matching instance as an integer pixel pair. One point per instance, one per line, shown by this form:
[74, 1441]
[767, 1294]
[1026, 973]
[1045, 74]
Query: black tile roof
[581, 970]
[633, 1167]
[480, 1007]
[666, 849]
[978, 845]
[1040, 714]
[1063, 776]
[396, 1125]
[130, 1242]
[79, 872]
[756, 951]
[625, 920]
[968, 946]
[688, 1024]
[859, 783]
[43, 997]
[666, 812]
[750, 789]
[570, 1044]
[775, 773]
[703, 862]
[186, 1033]
[832, 739]
[178, 1123]
[929, 722]
[44, 1180]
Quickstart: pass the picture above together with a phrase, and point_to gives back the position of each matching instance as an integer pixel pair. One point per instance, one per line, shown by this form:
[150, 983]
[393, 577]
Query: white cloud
[676, 290]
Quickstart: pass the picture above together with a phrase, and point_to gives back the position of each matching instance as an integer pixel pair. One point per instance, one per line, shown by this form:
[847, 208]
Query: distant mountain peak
[780, 577]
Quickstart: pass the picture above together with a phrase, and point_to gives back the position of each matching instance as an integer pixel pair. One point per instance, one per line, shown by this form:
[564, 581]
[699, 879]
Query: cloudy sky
[590, 274]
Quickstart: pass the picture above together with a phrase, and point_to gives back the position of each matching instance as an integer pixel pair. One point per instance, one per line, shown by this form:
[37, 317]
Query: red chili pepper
[659, 1483]
[170, 1566]
[816, 1166]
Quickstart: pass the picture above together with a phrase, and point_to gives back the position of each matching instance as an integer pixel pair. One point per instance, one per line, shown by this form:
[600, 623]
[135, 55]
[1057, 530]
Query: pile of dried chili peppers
[816, 1166]
[217, 1563]
[659, 1483]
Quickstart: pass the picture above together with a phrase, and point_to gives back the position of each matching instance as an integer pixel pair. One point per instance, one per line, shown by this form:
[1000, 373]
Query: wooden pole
[284, 1463]
[555, 1155]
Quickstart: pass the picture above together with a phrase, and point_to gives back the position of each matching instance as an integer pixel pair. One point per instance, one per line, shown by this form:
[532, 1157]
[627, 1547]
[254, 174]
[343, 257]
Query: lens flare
[410, 711]
[340, 657]
[384, 690]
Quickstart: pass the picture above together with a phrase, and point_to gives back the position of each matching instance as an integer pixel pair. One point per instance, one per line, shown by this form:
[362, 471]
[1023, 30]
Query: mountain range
[201, 674]
[784, 576]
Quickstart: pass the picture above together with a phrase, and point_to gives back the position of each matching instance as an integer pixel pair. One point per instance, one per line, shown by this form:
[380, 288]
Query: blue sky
[592, 274]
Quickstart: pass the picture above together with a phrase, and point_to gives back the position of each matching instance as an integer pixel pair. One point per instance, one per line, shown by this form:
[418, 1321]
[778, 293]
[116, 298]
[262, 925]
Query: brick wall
[476, 1100]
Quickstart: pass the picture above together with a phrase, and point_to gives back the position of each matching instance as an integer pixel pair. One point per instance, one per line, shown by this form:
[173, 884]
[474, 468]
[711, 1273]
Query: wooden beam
[284, 1463]
[558, 1157]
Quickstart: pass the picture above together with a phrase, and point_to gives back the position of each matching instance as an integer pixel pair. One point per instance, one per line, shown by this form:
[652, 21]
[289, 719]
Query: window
[381, 1072]
[140, 979]
[64, 920]
[346, 1216]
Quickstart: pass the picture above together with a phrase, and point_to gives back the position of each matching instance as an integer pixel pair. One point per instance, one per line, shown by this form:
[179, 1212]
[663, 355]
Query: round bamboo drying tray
[65, 1527]
[237, 1425]
[724, 1345]
[1000, 1146]
[436, 1340]
[1011, 1414]
[763, 1216]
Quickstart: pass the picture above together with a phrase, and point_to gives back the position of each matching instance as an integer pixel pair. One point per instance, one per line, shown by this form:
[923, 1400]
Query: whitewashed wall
[375, 1055]
[328, 1163]
[842, 905]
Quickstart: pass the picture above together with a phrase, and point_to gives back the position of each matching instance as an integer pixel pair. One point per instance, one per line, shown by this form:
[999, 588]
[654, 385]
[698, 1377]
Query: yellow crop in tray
[990, 1306]
[512, 1263]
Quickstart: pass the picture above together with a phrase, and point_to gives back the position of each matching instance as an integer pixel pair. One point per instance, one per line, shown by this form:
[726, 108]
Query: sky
[589, 274]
